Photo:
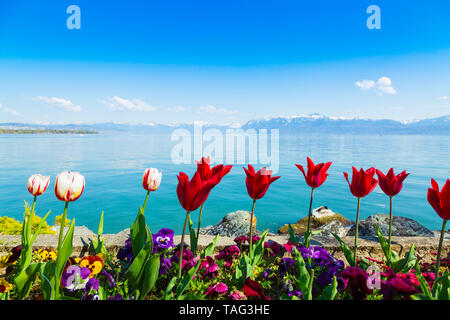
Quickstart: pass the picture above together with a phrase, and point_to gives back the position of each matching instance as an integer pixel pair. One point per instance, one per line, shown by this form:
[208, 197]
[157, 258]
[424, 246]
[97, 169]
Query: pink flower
[237, 295]
[210, 266]
[215, 289]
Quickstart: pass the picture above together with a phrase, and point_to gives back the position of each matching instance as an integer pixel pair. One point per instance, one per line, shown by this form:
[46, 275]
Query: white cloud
[443, 98]
[118, 103]
[365, 84]
[8, 110]
[176, 109]
[59, 102]
[382, 85]
[219, 111]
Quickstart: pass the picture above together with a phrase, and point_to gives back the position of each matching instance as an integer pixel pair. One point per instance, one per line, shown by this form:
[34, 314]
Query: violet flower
[163, 239]
[75, 277]
[284, 265]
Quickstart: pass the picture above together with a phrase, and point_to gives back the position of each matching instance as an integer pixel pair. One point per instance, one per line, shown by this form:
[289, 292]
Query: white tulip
[69, 186]
[37, 184]
[151, 179]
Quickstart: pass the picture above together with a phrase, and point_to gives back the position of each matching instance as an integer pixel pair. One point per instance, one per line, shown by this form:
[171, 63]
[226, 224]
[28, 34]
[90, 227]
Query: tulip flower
[362, 184]
[68, 187]
[151, 181]
[37, 184]
[391, 185]
[315, 177]
[440, 201]
[191, 194]
[207, 173]
[257, 185]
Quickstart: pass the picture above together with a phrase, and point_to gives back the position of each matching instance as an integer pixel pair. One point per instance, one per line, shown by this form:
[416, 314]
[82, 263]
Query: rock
[77, 231]
[234, 224]
[335, 226]
[321, 218]
[401, 227]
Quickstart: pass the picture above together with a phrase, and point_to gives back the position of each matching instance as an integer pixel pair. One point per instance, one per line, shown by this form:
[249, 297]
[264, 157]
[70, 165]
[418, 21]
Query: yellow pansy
[5, 286]
[93, 263]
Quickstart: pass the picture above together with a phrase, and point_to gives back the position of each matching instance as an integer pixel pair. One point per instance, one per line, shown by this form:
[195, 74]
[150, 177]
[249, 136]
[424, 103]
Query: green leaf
[138, 232]
[329, 293]
[347, 252]
[384, 244]
[169, 294]
[292, 237]
[209, 249]
[422, 282]
[258, 249]
[421, 296]
[65, 251]
[193, 237]
[135, 273]
[243, 270]
[191, 296]
[41, 223]
[151, 274]
[307, 238]
[24, 280]
[47, 273]
[305, 278]
[407, 263]
[184, 283]
[100, 226]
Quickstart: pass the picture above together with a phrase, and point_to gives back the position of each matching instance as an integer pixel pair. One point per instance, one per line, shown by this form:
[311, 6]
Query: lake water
[113, 165]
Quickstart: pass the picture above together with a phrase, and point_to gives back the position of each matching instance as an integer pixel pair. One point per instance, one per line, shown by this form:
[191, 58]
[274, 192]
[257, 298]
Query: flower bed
[152, 267]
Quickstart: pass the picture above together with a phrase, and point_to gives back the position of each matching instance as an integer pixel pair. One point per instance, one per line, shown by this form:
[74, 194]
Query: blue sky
[222, 61]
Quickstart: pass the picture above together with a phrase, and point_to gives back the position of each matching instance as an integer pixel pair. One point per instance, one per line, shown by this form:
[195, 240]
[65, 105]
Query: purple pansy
[284, 265]
[126, 252]
[163, 239]
[75, 277]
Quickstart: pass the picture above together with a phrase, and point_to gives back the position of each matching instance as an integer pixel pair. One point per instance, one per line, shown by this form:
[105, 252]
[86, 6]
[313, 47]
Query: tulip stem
[308, 229]
[438, 260]
[251, 230]
[390, 228]
[145, 201]
[356, 231]
[199, 221]
[182, 245]
[63, 224]
[32, 208]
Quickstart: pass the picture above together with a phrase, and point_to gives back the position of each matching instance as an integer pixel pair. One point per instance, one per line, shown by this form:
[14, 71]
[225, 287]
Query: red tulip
[206, 173]
[317, 174]
[440, 201]
[363, 182]
[192, 194]
[258, 183]
[390, 183]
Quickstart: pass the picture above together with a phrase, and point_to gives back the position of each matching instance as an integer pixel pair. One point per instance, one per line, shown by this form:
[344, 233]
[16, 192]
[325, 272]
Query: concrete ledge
[367, 247]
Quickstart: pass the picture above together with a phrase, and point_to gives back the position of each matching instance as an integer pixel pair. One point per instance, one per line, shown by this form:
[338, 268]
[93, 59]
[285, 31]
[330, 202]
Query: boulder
[322, 219]
[234, 224]
[401, 226]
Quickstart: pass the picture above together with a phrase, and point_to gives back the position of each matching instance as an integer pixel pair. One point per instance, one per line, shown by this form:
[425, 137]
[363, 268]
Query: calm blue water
[113, 165]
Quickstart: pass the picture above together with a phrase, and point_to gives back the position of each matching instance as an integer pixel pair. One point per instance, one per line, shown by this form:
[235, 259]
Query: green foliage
[347, 252]
[10, 226]
[58, 220]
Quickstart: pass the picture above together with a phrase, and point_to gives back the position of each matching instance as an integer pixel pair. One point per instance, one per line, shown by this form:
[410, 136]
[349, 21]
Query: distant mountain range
[313, 123]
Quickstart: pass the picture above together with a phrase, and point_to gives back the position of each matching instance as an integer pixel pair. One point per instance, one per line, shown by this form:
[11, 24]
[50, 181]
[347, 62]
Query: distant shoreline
[46, 131]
